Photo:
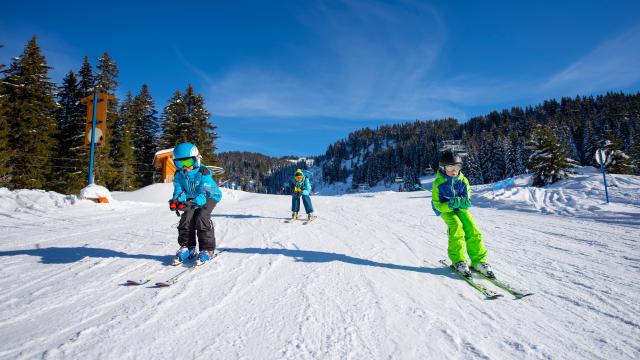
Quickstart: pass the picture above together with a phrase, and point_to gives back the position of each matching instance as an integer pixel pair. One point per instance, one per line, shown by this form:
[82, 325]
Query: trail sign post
[96, 125]
[601, 159]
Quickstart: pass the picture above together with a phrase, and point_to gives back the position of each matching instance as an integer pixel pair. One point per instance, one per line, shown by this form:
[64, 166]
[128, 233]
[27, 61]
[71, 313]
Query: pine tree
[170, 121]
[29, 110]
[87, 78]
[635, 157]
[125, 178]
[73, 155]
[105, 82]
[185, 119]
[498, 168]
[486, 157]
[617, 161]
[5, 154]
[550, 160]
[472, 169]
[510, 157]
[521, 158]
[203, 133]
[146, 133]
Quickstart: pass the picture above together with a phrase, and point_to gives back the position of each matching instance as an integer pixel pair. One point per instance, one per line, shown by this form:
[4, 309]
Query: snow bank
[155, 193]
[93, 192]
[32, 200]
[582, 193]
[161, 193]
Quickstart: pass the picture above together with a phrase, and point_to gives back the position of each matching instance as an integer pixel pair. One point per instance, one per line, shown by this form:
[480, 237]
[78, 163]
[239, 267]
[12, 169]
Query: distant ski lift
[215, 170]
[399, 179]
[454, 146]
[363, 187]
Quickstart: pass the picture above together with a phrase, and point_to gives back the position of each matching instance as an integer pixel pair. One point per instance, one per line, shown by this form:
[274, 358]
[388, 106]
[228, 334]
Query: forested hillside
[258, 173]
[498, 144]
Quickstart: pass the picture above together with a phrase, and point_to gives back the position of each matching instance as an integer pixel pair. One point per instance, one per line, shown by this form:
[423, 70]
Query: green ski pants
[464, 233]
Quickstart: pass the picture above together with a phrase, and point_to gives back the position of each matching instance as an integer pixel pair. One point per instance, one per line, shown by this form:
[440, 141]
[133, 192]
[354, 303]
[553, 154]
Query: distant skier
[450, 199]
[196, 194]
[301, 189]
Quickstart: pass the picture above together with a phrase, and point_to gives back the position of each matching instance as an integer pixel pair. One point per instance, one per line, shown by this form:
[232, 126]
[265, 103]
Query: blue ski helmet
[184, 151]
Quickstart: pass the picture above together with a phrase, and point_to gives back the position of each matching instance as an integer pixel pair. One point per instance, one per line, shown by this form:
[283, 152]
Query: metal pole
[604, 176]
[93, 135]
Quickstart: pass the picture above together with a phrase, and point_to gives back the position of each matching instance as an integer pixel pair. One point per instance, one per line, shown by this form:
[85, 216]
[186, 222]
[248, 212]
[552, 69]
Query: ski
[174, 279]
[138, 282]
[504, 286]
[490, 294]
[148, 279]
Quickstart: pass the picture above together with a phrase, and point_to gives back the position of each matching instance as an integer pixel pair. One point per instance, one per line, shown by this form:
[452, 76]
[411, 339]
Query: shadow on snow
[62, 255]
[325, 257]
[243, 216]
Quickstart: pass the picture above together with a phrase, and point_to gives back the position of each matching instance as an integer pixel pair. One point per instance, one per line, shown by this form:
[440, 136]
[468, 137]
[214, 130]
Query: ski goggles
[452, 167]
[298, 177]
[182, 163]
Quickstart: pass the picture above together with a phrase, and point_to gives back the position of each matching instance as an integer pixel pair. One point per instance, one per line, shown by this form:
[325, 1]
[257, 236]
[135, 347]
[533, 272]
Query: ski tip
[138, 282]
[520, 296]
[162, 284]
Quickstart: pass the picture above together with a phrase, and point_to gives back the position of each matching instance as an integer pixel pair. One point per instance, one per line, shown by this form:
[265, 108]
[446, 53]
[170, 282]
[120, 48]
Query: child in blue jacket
[301, 189]
[196, 194]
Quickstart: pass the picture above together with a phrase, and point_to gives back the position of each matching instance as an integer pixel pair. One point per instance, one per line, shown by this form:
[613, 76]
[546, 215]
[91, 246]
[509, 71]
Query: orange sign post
[101, 118]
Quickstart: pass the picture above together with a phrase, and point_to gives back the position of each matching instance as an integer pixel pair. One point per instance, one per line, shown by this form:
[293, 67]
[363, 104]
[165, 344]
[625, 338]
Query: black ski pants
[198, 220]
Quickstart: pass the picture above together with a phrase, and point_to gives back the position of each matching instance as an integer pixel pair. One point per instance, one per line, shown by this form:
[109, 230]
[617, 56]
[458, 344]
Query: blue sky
[291, 77]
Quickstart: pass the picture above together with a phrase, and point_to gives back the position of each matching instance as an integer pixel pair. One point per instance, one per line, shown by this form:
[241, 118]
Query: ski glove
[177, 205]
[465, 203]
[459, 203]
[454, 202]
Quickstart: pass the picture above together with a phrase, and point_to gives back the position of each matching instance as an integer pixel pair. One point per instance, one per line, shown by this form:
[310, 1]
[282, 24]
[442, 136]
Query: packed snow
[361, 282]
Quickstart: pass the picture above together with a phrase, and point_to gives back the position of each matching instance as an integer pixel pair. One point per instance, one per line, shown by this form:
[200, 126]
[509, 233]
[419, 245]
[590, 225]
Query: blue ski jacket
[196, 184]
[304, 186]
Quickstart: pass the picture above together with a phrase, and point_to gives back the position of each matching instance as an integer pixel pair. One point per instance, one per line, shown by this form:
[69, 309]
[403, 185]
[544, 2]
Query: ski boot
[462, 268]
[294, 216]
[204, 256]
[485, 269]
[183, 254]
[311, 216]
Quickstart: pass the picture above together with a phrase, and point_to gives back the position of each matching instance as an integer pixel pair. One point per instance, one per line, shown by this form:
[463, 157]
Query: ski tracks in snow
[361, 281]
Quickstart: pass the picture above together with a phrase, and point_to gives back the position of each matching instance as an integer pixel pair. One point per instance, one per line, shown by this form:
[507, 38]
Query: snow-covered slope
[361, 282]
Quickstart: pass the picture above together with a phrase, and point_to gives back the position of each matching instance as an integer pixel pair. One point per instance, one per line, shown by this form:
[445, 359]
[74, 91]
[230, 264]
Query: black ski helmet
[448, 157]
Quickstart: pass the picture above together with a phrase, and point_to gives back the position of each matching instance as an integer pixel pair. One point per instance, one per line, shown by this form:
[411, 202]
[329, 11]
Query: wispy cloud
[612, 64]
[374, 60]
[366, 60]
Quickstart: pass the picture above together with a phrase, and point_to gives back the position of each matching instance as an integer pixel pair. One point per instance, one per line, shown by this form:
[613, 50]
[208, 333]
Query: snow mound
[154, 193]
[33, 200]
[161, 193]
[93, 192]
[582, 193]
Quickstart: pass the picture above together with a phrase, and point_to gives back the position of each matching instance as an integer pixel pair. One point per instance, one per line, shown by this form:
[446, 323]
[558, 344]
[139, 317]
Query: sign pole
[93, 135]
[604, 176]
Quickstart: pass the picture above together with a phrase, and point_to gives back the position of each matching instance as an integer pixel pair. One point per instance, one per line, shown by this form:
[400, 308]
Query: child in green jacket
[450, 199]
